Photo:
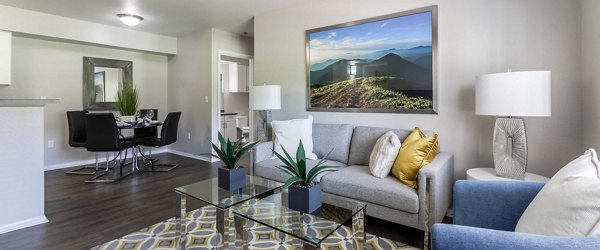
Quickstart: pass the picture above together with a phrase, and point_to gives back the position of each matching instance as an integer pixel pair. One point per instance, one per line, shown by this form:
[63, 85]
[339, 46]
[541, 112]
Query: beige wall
[475, 37]
[189, 84]
[591, 79]
[193, 76]
[54, 69]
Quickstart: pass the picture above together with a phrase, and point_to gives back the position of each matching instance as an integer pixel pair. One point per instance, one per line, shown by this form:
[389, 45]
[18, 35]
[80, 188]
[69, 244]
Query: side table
[489, 174]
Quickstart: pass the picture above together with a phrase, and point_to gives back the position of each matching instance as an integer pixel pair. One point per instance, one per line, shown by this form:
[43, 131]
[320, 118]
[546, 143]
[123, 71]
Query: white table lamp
[511, 94]
[264, 99]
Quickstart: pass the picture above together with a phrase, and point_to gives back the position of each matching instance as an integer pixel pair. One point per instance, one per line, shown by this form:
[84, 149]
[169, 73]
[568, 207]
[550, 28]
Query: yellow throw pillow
[416, 151]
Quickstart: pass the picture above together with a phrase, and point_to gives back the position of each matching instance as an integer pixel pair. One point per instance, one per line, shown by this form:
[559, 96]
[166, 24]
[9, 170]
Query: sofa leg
[427, 217]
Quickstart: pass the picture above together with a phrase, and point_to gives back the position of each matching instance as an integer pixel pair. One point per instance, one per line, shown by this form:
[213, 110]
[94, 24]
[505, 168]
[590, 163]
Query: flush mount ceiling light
[129, 19]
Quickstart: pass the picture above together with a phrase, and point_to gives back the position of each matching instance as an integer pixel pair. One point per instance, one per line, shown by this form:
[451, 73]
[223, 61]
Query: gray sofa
[387, 198]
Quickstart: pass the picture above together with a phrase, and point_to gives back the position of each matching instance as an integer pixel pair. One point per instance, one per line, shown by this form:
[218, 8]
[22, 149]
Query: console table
[22, 164]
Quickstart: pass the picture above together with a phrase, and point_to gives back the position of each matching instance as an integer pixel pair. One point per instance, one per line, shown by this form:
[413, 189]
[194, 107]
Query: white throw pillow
[569, 204]
[289, 133]
[384, 154]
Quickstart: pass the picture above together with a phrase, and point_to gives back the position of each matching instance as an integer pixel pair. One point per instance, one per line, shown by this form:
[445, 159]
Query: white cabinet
[228, 127]
[234, 77]
[5, 57]
[242, 81]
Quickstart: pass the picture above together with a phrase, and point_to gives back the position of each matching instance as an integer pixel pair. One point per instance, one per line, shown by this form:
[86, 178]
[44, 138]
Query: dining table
[132, 126]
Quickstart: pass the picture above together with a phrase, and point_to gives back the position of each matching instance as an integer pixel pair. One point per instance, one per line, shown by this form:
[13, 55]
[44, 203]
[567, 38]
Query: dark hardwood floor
[83, 215]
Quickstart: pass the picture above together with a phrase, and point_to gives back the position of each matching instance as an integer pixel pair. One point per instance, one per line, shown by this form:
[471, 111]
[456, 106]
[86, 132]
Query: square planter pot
[305, 200]
[232, 179]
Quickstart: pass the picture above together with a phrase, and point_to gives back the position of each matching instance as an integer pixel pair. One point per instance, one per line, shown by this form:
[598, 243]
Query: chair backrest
[168, 133]
[102, 132]
[77, 129]
[147, 132]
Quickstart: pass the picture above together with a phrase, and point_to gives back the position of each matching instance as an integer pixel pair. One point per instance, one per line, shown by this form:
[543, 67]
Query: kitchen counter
[230, 113]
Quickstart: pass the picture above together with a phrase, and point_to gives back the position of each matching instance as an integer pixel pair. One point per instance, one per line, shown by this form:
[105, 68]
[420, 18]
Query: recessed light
[129, 19]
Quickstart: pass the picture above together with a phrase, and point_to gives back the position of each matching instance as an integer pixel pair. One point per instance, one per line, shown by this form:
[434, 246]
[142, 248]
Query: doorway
[235, 81]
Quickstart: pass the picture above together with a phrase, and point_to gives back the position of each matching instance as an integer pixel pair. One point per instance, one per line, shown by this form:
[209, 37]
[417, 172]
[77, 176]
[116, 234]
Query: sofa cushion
[416, 151]
[357, 182]
[288, 135]
[383, 155]
[364, 139]
[267, 169]
[332, 136]
[569, 204]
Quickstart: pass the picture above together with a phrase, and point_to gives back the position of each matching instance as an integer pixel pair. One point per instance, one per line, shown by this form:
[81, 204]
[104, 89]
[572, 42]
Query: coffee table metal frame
[357, 216]
[256, 187]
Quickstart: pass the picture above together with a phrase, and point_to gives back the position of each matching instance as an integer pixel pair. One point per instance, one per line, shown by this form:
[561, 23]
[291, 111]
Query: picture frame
[385, 64]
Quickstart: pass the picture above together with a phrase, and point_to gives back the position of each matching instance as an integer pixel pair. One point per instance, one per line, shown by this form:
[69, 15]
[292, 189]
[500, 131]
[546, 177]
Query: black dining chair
[147, 133]
[78, 139]
[168, 135]
[103, 136]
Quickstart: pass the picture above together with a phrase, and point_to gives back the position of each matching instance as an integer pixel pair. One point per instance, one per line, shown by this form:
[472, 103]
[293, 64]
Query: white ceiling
[165, 17]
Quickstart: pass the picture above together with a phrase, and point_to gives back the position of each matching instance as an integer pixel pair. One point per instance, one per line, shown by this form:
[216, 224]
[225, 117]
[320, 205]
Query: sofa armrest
[492, 204]
[446, 236]
[262, 151]
[440, 175]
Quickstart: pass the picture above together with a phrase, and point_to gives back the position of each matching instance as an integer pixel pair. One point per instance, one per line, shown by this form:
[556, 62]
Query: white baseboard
[193, 156]
[23, 224]
[91, 161]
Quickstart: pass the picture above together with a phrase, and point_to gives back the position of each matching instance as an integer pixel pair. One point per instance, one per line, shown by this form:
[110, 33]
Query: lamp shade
[266, 97]
[525, 93]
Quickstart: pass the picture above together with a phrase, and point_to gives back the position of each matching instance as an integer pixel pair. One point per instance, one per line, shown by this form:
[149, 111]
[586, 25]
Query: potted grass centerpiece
[127, 103]
[304, 191]
[231, 176]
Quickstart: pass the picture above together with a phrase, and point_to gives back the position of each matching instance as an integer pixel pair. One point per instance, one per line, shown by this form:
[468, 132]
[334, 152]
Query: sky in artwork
[362, 41]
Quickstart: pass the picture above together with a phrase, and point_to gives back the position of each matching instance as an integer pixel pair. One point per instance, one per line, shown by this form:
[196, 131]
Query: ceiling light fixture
[129, 19]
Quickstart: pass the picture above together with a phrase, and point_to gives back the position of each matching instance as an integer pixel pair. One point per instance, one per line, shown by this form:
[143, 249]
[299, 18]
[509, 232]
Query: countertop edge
[27, 102]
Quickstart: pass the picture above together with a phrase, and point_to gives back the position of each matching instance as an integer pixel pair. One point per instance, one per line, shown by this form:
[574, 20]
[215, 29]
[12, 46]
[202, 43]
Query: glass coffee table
[310, 229]
[208, 192]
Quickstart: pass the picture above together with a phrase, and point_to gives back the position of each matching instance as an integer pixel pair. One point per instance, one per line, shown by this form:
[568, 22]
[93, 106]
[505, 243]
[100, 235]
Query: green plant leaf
[287, 170]
[230, 153]
[286, 160]
[292, 181]
[243, 149]
[300, 155]
[301, 158]
[291, 160]
[127, 100]
[314, 172]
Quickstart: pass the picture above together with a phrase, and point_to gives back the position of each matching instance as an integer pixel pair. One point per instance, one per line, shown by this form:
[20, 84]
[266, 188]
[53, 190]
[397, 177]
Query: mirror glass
[101, 80]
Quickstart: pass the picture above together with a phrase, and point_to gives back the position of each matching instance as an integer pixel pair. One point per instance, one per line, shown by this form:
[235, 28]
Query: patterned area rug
[201, 228]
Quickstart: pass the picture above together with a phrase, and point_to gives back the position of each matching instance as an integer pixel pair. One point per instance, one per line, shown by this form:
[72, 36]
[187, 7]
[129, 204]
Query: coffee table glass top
[273, 212]
[209, 192]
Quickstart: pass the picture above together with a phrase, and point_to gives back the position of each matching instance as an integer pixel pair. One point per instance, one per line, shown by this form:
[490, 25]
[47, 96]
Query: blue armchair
[486, 214]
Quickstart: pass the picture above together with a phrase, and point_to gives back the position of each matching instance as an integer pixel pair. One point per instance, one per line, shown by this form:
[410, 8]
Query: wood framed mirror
[102, 78]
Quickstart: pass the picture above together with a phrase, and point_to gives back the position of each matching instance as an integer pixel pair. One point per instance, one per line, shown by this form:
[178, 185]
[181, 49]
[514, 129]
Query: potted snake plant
[230, 175]
[304, 191]
[127, 103]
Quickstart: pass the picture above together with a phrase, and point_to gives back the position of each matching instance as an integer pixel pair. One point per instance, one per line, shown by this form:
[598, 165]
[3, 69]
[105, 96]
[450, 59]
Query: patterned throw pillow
[383, 155]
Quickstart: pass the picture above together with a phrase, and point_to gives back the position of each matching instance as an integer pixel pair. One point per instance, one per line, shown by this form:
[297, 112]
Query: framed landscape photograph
[379, 65]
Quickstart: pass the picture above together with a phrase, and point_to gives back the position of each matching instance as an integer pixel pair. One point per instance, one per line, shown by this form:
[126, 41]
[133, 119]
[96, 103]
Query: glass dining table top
[273, 212]
[209, 191]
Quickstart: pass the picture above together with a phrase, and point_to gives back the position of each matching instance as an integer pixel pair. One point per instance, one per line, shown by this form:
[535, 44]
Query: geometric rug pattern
[201, 234]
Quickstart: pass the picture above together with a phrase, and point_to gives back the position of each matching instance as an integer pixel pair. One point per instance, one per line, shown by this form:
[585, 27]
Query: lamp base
[510, 148]
[264, 129]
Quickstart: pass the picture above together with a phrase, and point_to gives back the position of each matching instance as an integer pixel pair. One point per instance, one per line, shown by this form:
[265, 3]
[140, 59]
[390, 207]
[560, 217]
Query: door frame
[216, 94]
